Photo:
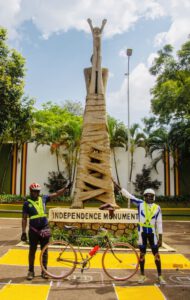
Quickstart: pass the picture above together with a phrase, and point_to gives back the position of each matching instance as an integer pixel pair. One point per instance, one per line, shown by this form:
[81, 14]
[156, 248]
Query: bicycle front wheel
[62, 259]
[120, 262]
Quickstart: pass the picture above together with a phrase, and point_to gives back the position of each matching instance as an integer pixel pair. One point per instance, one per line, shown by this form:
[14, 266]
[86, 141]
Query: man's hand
[109, 207]
[23, 237]
[117, 188]
[160, 241]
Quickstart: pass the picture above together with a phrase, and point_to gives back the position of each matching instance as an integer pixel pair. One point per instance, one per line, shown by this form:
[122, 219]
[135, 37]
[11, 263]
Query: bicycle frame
[115, 260]
[84, 261]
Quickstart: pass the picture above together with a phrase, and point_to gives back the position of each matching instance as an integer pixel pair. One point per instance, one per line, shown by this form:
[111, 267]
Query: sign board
[60, 214]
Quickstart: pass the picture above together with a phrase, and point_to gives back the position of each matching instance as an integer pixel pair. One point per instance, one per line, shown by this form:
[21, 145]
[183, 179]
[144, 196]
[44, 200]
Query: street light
[129, 54]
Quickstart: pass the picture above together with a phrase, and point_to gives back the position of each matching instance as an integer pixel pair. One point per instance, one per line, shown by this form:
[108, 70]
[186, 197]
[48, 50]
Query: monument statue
[94, 178]
[96, 85]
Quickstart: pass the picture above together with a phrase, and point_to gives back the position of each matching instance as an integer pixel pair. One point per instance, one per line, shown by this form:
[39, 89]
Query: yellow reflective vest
[149, 213]
[38, 205]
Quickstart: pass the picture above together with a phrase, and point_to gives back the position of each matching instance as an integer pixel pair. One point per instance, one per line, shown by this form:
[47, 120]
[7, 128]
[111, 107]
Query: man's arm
[58, 193]
[24, 224]
[159, 227]
[160, 240]
[126, 194]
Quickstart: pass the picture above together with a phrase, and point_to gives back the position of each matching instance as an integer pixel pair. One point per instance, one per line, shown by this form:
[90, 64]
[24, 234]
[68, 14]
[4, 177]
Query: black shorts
[148, 238]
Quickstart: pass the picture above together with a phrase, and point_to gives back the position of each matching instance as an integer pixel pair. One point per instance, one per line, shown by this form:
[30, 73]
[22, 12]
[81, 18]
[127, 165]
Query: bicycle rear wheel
[62, 259]
[120, 262]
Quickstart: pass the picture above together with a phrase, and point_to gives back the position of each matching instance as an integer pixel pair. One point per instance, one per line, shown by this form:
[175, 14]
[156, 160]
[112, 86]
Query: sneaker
[161, 280]
[142, 279]
[30, 275]
[44, 275]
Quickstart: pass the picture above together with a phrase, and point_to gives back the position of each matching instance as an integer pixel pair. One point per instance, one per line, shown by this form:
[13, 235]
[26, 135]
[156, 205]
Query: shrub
[86, 238]
[11, 199]
[56, 181]
[143, 181]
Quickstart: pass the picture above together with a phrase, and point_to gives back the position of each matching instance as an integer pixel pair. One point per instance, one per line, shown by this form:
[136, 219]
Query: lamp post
[129, 54]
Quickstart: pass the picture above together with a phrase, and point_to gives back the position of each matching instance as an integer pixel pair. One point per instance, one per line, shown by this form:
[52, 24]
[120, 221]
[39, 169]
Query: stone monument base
[119, 224]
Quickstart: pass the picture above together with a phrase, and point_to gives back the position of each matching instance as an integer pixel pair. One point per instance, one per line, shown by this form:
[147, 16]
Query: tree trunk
[75, 164]
[131, 170]
[57, 158]
[115, 163]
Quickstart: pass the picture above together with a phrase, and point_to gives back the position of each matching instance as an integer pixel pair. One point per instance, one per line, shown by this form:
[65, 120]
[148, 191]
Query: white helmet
[150, 191]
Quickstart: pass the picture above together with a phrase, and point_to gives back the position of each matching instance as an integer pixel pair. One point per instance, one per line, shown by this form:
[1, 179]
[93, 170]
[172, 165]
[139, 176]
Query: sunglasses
[149, 196]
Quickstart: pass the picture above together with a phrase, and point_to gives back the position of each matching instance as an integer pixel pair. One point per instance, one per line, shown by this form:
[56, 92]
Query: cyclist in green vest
[35, 209]
[149, 228]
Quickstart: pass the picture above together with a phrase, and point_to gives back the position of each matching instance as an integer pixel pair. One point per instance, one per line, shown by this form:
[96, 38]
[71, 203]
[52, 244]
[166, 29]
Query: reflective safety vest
[38, 205]
[149, 213]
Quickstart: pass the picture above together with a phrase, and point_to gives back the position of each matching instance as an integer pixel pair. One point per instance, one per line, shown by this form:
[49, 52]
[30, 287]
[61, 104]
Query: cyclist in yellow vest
[149, 228]
[35, 208]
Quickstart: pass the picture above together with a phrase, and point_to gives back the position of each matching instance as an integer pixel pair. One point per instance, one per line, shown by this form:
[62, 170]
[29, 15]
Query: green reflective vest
[149, 213]
[38, 205]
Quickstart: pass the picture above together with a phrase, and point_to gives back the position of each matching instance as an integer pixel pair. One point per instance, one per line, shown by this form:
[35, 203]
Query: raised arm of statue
[103, 24]
[96, 84]
[90, 24]
[96, 31]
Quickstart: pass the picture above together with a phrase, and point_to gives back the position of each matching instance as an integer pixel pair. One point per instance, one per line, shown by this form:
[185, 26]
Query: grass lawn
[15, 210]
[172, 212]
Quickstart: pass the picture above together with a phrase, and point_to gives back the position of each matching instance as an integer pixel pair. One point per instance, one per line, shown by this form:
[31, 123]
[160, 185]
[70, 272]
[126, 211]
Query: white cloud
[179, 12]
[122, 52]
[9, 11]
[52, 17]
[140, 83]
[61, 15]
[151, 58]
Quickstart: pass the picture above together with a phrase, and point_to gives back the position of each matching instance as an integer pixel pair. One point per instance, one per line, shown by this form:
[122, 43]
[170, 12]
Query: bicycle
[116, 258]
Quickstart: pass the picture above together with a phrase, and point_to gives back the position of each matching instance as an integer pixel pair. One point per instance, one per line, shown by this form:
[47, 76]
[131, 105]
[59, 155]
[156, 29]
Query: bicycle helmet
[35, 187]
[150, 191]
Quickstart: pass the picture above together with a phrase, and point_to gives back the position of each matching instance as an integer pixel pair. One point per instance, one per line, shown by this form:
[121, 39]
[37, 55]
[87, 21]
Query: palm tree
[179, 136]
[118, 136]
[71, 144]
[137, 139]
[159, 141]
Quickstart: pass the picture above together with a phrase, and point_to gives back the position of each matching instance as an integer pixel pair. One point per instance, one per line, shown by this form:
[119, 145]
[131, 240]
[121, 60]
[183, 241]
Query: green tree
[71, 144]
[171, 93]
[137, 139]
[73, 107]
[15, 113]
[159, 141]
[118, 137]
[57, 127]
[179, 136]
[16, 110]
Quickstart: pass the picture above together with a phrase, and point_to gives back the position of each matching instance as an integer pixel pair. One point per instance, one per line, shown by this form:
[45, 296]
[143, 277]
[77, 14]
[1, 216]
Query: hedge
[119, 199]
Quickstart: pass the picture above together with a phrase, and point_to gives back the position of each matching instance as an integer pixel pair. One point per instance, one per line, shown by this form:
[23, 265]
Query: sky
[55, 39]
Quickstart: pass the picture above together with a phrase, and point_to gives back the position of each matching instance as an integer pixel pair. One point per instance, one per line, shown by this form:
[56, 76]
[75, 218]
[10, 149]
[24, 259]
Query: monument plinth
[94, 178]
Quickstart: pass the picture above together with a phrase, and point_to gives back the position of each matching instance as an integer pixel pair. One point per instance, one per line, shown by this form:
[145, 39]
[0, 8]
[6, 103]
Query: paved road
[95, 284]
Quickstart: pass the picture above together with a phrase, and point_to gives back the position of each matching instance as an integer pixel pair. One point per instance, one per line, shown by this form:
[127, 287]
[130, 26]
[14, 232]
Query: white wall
[40, 163]
[139, 160]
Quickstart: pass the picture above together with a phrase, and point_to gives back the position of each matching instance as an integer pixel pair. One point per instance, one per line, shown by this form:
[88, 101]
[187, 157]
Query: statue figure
[96, 84]
[93, 176]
